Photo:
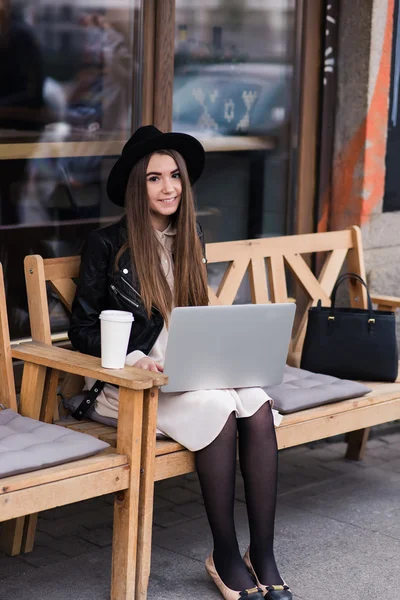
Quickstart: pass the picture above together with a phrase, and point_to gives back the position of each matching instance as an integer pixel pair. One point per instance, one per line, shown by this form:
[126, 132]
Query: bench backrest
[267, 262]
[7, 384]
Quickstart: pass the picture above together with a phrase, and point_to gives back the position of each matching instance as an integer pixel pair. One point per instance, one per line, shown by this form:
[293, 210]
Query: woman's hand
[148, 364]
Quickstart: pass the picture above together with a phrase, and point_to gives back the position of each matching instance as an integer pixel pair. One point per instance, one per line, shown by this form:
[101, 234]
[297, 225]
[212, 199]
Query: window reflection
[233, 67]
[66, 62]
[233, 90]
[67, 87]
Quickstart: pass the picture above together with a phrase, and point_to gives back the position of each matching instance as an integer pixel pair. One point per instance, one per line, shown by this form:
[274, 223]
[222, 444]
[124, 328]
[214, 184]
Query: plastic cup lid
[120, 316]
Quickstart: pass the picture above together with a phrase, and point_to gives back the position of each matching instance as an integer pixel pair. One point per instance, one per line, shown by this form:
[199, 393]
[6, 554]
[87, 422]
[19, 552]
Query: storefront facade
[365, 182]
[78, 76]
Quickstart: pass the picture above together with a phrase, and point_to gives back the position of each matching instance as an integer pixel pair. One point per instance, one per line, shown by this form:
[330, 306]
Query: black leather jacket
[102, 287]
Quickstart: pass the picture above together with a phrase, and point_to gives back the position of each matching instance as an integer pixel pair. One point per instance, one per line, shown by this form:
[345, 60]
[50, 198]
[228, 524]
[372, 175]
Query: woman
[151, 260]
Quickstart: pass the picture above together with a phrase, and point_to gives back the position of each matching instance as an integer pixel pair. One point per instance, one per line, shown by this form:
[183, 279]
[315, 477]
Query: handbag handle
[357, 278]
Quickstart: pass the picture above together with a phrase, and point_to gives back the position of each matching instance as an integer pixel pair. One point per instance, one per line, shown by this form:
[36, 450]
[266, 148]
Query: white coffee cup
[115, 327]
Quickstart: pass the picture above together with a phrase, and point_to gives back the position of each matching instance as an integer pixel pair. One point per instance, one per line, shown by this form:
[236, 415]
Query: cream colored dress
[194, 419]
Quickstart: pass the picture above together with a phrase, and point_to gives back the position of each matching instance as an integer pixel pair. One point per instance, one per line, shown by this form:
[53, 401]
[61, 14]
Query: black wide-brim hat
[146, 140]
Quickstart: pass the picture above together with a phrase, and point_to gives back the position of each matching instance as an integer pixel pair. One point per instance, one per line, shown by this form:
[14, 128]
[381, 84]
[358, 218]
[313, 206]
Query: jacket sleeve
[91, 296]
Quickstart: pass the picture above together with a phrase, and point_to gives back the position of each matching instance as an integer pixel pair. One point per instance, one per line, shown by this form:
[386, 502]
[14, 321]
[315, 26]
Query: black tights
[216, 468]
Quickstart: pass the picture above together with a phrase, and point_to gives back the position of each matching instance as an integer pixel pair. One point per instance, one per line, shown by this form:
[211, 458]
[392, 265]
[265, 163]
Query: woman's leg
[216, 468]
[258, 456]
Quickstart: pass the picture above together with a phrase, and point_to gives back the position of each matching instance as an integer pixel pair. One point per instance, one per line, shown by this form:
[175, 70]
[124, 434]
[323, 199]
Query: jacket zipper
[118, 292]
[130, 286]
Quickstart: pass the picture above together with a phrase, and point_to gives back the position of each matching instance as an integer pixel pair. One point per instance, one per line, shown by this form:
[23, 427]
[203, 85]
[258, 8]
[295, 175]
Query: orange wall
[359, 168]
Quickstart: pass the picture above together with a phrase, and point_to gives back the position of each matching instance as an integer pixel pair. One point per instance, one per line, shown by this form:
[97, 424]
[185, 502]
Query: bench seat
[75, 481]
[380, 405]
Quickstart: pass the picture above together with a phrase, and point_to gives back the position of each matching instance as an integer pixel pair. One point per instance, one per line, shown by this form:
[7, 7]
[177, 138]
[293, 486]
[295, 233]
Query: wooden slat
[305, 277]
[83, 364]
[49, 411]
[83, 426]
[167, 447]
[110, 438]
[62, 492]
[93, 464]
[392, 301]
[65, 290]
[37, 299]
[7, 385]
[279, 246]
[32, 389]
[335, 424]
[172, 465]
[277, 279]
[331, 269]
[62, 268]
[233, 277]
[126, 505]
[355, 264]
[329, 274]
[258, 282]
[146, 494]
[95, 431]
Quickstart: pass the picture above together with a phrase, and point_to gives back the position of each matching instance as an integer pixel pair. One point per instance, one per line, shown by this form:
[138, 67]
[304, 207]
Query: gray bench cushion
[27, 445]
[302, 389]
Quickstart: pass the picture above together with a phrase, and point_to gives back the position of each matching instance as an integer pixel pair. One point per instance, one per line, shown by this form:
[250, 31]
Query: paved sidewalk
[337, 534]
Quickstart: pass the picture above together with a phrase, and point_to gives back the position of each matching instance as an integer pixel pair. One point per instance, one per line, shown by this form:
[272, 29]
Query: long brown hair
[190, 278]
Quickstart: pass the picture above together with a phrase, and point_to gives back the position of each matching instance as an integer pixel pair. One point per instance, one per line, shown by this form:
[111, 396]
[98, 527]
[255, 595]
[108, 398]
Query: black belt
[89, 400]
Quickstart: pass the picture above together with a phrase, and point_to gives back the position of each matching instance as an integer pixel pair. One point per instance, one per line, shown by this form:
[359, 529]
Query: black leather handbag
[351, 343]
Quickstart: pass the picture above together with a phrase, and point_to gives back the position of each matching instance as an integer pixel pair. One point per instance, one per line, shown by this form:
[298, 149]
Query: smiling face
[164, 189]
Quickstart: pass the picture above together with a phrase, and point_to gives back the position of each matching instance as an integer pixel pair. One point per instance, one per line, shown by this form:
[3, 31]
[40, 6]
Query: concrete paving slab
[81, 578]
[369, 499]
[337, 536]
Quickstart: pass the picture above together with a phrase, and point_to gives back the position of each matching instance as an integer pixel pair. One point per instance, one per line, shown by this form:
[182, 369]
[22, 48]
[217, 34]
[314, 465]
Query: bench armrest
[386, 302]
[85, 365]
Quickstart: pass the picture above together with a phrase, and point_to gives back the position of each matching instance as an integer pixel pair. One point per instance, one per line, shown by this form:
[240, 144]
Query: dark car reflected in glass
[232, 99]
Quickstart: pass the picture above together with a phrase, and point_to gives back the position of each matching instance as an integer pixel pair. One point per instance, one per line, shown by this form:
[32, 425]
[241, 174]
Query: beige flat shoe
[271, 592]
[251, 594]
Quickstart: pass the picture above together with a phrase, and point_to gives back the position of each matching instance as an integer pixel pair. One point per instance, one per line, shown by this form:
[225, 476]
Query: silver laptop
[217, 347]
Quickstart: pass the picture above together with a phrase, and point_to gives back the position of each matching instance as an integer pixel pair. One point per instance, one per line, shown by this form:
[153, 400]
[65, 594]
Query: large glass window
[234, 63]
[69, 97]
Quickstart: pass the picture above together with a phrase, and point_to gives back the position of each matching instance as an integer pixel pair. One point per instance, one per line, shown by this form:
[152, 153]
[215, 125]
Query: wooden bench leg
[28, 539]
[11, 535]
[356, 444]
[126, 507]
[146, 497]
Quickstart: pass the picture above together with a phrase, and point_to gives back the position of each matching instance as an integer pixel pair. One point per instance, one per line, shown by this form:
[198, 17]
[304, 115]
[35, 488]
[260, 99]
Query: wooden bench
[277, 270]
[113, 470]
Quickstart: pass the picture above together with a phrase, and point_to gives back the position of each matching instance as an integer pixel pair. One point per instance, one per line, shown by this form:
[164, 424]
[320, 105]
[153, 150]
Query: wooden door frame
[158, 63]
[307, 87]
